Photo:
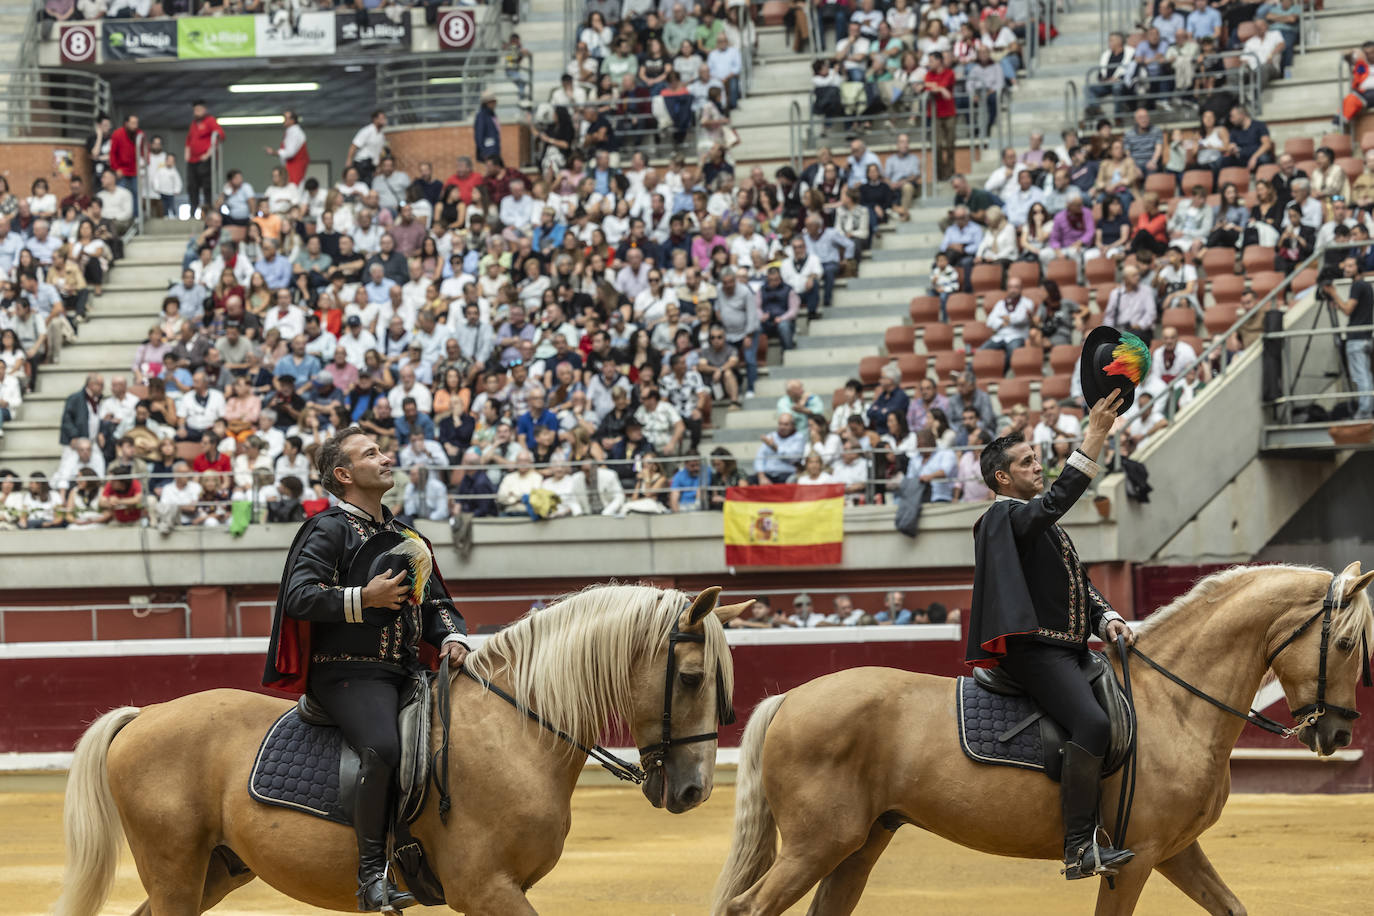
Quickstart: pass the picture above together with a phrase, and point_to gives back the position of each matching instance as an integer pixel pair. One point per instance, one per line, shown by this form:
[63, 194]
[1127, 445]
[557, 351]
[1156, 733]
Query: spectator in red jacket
[201, 138]
[126, 148]
[211, 458]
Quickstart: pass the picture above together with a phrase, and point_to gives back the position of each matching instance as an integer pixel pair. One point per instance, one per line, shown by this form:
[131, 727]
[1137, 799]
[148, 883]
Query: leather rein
[649, 755]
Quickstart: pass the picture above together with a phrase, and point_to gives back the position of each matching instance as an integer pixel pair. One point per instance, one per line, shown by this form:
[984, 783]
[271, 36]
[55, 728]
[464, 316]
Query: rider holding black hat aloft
[355, 647]
[1034, 609]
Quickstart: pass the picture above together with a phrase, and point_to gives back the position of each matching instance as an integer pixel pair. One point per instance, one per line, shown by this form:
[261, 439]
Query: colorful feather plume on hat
[421, 564]
[1130, 358]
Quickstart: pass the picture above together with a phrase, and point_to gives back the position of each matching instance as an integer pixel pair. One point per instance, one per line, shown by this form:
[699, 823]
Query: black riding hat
[390, 552]
[1112, 359]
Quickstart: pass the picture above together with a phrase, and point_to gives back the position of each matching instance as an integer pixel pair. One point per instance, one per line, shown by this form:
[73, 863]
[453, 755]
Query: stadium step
[24, 437]
[108, 328]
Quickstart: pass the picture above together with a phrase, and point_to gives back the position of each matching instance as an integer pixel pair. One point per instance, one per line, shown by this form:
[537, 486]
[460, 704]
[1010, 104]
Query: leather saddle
[304, 764]
[1000, 724]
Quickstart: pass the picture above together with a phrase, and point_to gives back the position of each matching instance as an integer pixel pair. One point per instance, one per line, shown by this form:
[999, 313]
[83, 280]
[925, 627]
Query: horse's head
[1319, 659]
[682, 694]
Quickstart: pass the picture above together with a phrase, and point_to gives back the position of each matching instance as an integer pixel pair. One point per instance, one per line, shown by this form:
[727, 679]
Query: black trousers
[362, 700]
[198, 184]
[1051, 675]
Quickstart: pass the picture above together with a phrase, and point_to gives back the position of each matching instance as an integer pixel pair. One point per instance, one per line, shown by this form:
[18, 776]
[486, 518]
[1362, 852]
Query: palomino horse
[836, 765]
[175, 776]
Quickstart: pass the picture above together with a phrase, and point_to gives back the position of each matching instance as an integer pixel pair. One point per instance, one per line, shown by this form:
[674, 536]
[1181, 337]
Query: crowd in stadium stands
[762, 616]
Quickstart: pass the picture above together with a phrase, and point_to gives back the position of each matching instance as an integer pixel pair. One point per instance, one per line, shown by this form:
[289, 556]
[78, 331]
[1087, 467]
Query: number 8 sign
[457, 28]
[78, 44]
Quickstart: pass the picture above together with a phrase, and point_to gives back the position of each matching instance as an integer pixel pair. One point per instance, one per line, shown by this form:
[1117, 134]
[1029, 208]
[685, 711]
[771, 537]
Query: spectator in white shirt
[408, 387]
[1010, 321]
[356, 340]
[1002, 177]
[281, 195]
[1264, 51]
[200, 407]
[365, 152]
[749, 250]
[724, 64]
[1053, 420]
[517, 211]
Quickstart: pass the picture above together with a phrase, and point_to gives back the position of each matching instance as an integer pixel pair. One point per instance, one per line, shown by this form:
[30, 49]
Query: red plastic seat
[1099, 270]
[1306, 279]
[1219, 262]
[989, 364]
[1102, 293]
[1263, 282]
[1338, 143]
[913, 366]
[1027, 272]
[1300, 148]
[1219, 318]
[961, 307]
[1059, 387]
[1255, 258]
[1063, 358]
[900, 339]
[1227, 289]
[1352, 167]
[1236, 175]
[937, 337]
[984, 278]
[975, 334]
[1162, 184]
[949, 361]
[1194, 177]
[1366, 142]
[1028, 362]
[870, 369]
[925, 308]
[1012, 392]
[1063, 271]
[1184, 319]
[1078, 294]
[1266, 172]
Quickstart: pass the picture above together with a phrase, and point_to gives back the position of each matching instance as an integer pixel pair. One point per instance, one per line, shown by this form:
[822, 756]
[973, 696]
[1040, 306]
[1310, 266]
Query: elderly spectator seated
[425, 496]
[935, 465]
[1117, 73]
[1191, 222]
[663, 426]
[1131, 306]
[1010, 321]
[535, 417]
[781, 453]
[889, 399]
[1072, 232]
[961, 240]
[518, 484]
[928, 399]
[999, 244]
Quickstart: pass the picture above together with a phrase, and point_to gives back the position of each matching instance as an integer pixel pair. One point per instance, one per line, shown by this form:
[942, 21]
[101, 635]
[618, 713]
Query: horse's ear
[1356, 583]
[701, 605]
[728, 612]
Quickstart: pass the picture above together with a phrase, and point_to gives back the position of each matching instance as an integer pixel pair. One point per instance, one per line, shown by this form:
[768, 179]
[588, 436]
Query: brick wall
[23, 162]
[442, 144]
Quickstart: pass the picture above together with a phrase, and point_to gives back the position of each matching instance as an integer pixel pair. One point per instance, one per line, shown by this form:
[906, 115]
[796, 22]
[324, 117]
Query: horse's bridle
[1310, 713]
[652, 755]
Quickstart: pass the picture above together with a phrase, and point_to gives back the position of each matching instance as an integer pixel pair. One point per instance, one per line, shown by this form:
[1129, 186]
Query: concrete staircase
[118, 323]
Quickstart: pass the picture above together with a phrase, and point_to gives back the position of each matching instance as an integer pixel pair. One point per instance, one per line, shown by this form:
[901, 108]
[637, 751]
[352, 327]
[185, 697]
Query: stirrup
[1073, 871]
[393, 899]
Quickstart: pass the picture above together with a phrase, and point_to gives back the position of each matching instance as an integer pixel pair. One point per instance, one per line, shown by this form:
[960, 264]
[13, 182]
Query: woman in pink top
[241, 409]
[706, 242]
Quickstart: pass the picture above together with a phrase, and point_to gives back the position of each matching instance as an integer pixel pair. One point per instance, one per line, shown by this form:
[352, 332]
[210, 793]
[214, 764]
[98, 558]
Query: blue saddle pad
[986, 722]
[298, 767]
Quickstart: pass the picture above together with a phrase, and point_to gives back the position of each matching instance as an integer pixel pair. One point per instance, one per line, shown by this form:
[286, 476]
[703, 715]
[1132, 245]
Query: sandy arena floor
[1281, 854]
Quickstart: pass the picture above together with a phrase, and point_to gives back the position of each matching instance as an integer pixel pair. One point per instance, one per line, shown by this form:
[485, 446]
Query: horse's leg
[840, 890]
[498, 897]
[1119, 899]
[1192, 873]
[221, 878]
[806, 856]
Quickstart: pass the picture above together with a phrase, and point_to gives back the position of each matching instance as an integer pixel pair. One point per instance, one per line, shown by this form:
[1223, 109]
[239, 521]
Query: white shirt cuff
[353, 604]
[454, 637]
[1083, 464]
[1107, 617]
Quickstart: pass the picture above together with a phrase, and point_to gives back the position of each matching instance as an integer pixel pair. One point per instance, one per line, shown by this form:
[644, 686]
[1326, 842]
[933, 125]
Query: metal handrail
[1071, 108]
[52, 104]
[428, 88]
[1345, 75]
[1216, 347]
[795, 122]
[29, 41]
[94, 610]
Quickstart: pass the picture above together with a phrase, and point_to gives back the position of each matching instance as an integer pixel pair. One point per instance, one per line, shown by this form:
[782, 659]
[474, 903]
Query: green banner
[205, 37]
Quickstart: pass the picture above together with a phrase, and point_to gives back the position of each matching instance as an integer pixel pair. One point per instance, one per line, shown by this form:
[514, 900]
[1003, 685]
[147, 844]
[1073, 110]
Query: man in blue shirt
[11, 243]
[238, 198]
[378, 285]
[690, 481]
[961, 240]
[890, 399]
[1169, 21]
[298, 364]
[275, 269]
[828, 245]
[1204, 21]
[529, 422]
[781, 452]
[410, 420]
[938, 467]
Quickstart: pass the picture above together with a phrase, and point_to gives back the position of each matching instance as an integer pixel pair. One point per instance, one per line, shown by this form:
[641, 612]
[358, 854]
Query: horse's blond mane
[1348, 622]
[572, 661]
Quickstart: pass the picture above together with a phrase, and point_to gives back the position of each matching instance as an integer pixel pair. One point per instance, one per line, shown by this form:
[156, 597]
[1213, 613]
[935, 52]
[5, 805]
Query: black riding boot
[371, 817]
[1080, 787]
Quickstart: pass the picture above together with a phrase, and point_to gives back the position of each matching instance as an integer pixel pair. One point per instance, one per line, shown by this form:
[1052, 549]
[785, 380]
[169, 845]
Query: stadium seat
[1099, 270]
[1306, 279]
[985, 278]
[1063, 358]
[1352, 167]
[1028, 362]
[1227, 289]
[975, 334]
[1266, 172]
[773, 11]
[1092, 320]
[1075, 293]
[1219, 318]
[1263, 282]
[1236, 175]
[1195, 342]
[937, 337]
[1300, 148]
[1307, 165]
[1063, 271]
[1183, 319]
[188, 451]
[900, 339]
[987, 364]
[1058, 387]
[950, 361]
[1194, 177]
[1256, 257]
[1101, 293]
[1027, 272]
[1245, 31]
[1014, 391]
[870, 367]
[925, 308]
[1219, 262]
[962, 307]
[1162, 183]
[913, 366]
[1338, 143]
[1366, 140]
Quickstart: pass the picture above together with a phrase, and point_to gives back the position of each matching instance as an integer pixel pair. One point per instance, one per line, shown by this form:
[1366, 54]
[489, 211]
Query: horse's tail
[90, 819]
[754, 844]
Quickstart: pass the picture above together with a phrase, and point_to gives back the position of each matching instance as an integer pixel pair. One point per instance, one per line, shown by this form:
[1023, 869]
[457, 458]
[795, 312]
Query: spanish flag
[784, 525]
